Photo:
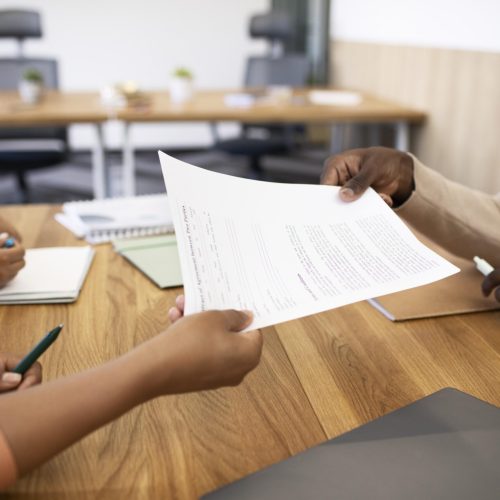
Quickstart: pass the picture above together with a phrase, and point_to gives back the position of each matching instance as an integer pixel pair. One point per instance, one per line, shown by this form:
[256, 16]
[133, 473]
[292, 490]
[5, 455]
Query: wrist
[150, 369]
[406, 183]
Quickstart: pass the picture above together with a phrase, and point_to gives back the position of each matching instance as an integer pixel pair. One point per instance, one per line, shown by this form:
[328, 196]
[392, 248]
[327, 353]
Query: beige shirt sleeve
[464, 221]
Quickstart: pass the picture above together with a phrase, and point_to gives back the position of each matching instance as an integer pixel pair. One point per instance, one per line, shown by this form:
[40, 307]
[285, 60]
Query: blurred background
[440, 57]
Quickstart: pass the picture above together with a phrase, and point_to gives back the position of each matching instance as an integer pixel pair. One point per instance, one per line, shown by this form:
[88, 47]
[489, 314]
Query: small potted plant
[181, 85]
[31, 86]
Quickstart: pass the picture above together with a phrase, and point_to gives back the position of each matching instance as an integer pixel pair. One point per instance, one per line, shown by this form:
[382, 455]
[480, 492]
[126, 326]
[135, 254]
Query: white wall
[455, 24]
[102, 42]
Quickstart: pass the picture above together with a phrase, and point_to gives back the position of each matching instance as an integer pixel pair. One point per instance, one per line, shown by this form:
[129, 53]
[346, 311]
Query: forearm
[40, 422]
[464, 221]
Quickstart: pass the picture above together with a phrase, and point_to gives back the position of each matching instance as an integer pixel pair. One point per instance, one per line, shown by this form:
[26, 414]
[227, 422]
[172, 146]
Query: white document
[51, 275]
[287, 250]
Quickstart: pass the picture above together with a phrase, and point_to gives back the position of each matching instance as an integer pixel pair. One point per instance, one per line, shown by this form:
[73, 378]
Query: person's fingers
[234, 320]
[491, 282]
[16, 267]
[180, 302]
[343, 174]
[174, 314]
[29, 380]
[329, 174]
[387, 199]
[32, 377]
[356, 186]
[338, 169]
[9, 381]
[254, 341]
[14, 254]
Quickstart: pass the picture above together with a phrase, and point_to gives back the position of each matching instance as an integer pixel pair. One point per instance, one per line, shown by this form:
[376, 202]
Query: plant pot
[30, 92]
[181, 89]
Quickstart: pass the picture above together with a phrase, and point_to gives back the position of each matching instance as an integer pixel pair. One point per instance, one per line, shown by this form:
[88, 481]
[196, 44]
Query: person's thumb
[237, 320]
[3, 238]
[10, 381]
[356, 186]
[255, 340]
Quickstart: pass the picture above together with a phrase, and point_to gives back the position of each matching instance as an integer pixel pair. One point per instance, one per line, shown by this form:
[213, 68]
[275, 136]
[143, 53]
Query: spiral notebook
[100, 221]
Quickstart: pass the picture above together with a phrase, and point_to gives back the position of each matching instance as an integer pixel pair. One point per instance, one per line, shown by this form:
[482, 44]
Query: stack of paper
[100, 221]
[287, 250]
[335, 98]
[155, 256]
[51, 275]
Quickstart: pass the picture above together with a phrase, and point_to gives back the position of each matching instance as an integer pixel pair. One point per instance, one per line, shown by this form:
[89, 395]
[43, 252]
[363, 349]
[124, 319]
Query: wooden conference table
[319, 377]
[62, 108]
[66, 108]
[210, 106]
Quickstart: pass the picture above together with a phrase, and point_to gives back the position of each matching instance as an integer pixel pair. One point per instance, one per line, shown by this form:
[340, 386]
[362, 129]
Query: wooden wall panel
[460, 91]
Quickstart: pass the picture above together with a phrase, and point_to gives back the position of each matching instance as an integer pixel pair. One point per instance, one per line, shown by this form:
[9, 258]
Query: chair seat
[24, 160]
[252, 147]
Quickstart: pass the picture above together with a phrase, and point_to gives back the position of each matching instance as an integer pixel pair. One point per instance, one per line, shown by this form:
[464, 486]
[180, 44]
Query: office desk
[61, 108]
[319, 377]
[209, 106]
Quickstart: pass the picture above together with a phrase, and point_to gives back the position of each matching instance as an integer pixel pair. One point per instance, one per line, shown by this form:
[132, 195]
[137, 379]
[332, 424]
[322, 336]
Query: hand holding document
[285, 251]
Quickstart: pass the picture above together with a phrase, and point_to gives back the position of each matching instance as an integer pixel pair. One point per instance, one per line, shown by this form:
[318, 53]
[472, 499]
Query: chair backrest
[17, 23]
[11, 71]
[291, 70]
[20, 24]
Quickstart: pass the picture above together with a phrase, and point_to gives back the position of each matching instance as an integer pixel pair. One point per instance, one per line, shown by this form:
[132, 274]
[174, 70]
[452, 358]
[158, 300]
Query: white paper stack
[335, 98]
[51, 275]
[100, 221]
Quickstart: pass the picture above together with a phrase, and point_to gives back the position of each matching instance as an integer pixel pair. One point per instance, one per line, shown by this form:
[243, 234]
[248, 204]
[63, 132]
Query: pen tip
[61, 325]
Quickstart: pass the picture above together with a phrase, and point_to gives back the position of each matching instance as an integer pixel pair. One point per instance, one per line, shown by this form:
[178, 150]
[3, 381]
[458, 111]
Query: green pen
[25, 364]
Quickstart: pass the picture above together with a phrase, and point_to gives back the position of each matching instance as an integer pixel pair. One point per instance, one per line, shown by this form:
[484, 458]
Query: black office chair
[276, 68]
[23, 149]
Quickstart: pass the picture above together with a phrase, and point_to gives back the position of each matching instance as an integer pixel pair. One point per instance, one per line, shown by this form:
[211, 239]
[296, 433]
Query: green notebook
[155, 256]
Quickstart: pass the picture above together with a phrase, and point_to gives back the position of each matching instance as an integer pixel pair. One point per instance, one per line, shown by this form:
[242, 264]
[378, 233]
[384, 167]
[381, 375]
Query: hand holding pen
[9, 380]
[11, 256]
[17, 373]
[492, 280]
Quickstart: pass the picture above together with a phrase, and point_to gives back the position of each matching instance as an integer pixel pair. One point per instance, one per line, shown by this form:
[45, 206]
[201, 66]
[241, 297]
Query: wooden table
[319, 377]
[62, 108]
[209, 106]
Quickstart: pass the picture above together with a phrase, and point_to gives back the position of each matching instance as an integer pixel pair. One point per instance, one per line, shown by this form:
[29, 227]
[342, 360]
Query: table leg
[337, 138]
[374, 134]
[98, 165]
[128, 161]
[402, 139]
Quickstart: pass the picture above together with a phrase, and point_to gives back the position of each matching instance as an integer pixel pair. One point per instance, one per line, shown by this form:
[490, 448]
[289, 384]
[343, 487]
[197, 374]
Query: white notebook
[100, 221]
[51, 275]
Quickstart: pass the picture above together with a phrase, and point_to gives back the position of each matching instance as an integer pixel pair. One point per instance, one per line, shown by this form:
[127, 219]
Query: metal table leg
[128, 161]
[98, 164]
[402, 139]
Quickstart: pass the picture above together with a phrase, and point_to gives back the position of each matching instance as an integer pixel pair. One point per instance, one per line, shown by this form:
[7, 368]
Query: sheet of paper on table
[285, 251]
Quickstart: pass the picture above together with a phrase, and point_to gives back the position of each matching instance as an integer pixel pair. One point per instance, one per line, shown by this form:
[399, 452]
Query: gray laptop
[444, 446]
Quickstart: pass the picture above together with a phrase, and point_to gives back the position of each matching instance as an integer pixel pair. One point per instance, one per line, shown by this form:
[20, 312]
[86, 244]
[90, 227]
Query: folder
[155, 256]
[445, 446]
[457, 294]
